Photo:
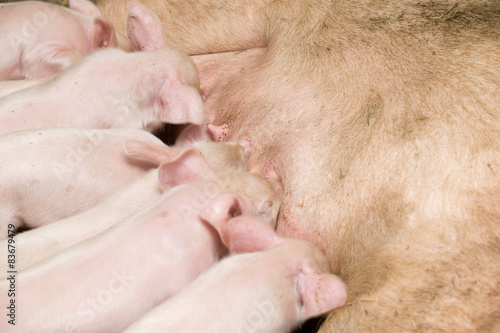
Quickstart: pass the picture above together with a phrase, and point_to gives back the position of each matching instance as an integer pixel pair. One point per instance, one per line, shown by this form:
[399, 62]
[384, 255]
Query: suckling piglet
[107, 282]
[111, 88]
[282, 283]
[39, 39]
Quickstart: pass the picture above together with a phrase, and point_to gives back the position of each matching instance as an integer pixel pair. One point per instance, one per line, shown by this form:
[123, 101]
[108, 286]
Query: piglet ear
[143, 28]
[148, 152]
[103, 34]
[84, 7]
[320, 293]
[248, 234]
[221, 209]
[180, 104]
[189, 166]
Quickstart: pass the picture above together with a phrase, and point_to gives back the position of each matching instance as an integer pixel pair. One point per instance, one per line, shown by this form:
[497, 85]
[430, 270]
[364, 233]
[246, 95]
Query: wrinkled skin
[39, 39]
[270, 288]
[141, 261]
[383, 124]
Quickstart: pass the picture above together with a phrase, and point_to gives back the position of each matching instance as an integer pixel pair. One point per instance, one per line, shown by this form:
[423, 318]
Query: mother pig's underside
[383, 122]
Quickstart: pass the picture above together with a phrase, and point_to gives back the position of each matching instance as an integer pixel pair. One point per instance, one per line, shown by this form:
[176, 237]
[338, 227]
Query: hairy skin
[383, 122]
[227, 25]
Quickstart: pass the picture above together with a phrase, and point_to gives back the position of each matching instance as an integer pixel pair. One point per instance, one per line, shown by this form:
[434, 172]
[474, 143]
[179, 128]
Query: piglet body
[269, 291]
[54, 173]
[135, 265]
[111, 88]
[39, 39]
[12, 86]
[46, 241]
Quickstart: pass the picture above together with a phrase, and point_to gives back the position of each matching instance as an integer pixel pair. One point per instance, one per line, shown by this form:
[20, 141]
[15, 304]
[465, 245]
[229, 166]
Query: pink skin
[219, 133]
[39, 39]
[193, 133]
[12, 86]
[138, 263]
[51, 174]
[382, 122]
[221, 157]
[282, 283]
[38, 244]
[114, 89]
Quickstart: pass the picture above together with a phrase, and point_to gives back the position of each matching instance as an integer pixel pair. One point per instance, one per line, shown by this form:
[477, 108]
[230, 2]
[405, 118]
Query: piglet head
[179, 98]
[317, 290]
[262, 195]
[223, 156]
[180, 103]
[319, 293]
[219, 156]
[216, 207]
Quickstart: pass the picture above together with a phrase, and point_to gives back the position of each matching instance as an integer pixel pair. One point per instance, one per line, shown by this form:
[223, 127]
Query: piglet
[111, 88]
[12, 86]
[39, 39]
[233, 156]
[106, 283]
[50, 174]
[46, 241]
[281, 284]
